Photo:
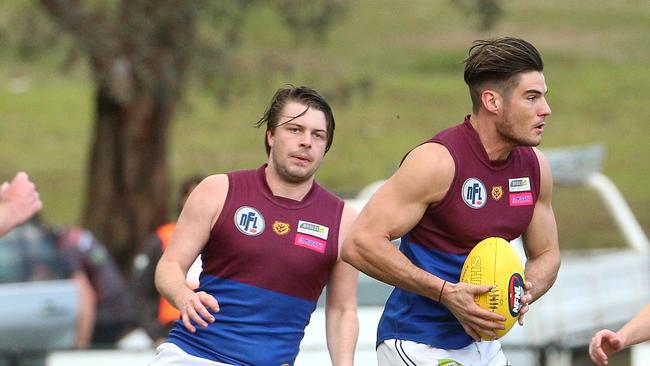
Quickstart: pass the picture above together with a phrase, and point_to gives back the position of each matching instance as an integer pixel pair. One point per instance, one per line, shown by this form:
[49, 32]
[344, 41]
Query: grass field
[402, 68]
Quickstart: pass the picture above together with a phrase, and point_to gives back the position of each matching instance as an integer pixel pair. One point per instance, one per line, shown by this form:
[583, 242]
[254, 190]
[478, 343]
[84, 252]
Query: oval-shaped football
[494, 261]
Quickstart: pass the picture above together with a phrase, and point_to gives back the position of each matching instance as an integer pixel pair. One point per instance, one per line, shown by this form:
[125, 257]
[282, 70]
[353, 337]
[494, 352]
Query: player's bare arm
[87, 310]
[605, 342]
[541, 242]
[341, 307]
[422, 180]
[199, 215]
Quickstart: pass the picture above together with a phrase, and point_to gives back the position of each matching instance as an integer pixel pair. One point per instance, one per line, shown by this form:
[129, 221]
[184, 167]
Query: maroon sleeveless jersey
[274, 242]
[266, 262]
[486, 198]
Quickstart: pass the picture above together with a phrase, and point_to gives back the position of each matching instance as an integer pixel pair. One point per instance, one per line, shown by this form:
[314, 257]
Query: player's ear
[269, 137]
[491, 101]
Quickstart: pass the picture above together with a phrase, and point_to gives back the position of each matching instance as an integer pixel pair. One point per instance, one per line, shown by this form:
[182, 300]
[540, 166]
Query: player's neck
[282, 187]
[495, 146]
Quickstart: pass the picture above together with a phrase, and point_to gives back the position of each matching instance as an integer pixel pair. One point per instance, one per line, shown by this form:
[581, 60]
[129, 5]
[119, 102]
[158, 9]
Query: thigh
[492, 354]
[394, 352]
[169, 354]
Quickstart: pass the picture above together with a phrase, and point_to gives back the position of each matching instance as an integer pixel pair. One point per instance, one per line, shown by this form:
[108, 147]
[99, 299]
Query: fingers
[20, 177]
[472, 333]
[19, 200]
[194, 311]
[603, 344]
[615, 343]
[474, 319]
[209, 301]
[481, 322]
[596, 352]
[185, 318]
[482, 289]
[481, 329]
[202, 311]
[522, 312]
[526, 299]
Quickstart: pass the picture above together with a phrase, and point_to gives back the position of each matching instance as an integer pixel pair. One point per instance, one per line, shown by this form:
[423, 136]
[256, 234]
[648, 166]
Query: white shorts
[393, 352]
[169, 354]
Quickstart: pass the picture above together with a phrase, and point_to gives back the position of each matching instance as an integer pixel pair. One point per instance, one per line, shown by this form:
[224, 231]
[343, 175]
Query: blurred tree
[141, 54]
[488, 11]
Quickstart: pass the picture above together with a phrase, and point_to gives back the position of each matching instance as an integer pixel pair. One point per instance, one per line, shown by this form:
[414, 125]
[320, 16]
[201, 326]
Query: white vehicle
[38, 303]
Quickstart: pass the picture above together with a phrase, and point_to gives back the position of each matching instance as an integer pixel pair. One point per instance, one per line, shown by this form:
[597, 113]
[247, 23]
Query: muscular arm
[391, 212]
[540, 239]
[422, 180]
[199, 214]
[341, 309]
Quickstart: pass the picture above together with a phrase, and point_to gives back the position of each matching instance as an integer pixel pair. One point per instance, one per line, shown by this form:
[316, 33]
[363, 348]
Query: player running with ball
[479, 179]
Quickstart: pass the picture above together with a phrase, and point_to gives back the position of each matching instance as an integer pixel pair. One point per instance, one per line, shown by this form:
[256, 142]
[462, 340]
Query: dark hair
[498, 62]
[303, 95]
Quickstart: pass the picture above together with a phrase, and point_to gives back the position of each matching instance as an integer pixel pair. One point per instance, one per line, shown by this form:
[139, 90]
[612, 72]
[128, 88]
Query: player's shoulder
[539, 154]
[544, 167]
[425, 175]
[213, 183]
[349, 213]
[430, 158]
[211, 192]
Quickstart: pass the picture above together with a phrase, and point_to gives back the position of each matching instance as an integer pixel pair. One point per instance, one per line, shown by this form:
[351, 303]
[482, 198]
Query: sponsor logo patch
[521, 199]
[497, 192]
[281, 228]
[519, 184]
[309, 242]
[474, 193]
[317, 230]
[249, 221]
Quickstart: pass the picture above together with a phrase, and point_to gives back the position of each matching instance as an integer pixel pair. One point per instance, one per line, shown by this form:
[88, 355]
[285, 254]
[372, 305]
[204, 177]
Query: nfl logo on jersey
[249, 221]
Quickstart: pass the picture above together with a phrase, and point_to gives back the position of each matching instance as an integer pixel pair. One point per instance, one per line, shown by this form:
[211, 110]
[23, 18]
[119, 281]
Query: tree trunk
[128, 187]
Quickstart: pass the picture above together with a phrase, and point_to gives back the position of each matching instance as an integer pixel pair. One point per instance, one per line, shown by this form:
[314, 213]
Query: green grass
[410, 57]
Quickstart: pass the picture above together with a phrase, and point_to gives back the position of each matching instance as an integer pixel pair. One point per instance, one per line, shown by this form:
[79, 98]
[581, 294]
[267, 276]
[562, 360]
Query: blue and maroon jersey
[486, 198]
[266, 262]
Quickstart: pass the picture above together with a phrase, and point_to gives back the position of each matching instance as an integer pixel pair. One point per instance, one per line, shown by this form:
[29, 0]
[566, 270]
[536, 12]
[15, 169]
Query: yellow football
[493, 261]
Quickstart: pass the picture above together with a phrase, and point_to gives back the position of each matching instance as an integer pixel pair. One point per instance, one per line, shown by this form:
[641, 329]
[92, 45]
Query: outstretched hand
[19, 201]
[459, 299]
[603, 344]
[194, 308]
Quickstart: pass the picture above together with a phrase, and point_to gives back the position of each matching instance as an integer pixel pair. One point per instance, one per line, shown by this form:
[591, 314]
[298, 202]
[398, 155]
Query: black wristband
[441, 289]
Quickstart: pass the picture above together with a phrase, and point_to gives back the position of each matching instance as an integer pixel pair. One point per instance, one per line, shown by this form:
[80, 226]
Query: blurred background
[109, 105]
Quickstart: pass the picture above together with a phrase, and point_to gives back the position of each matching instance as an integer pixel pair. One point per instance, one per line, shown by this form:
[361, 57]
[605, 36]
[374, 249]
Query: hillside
[395, 78]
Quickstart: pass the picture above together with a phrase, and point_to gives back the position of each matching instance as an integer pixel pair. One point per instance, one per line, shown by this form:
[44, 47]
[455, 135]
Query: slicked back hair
[306, 96]
[497, 63]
